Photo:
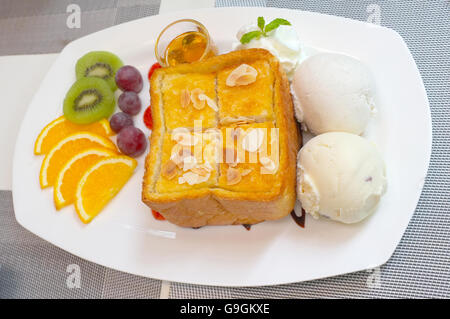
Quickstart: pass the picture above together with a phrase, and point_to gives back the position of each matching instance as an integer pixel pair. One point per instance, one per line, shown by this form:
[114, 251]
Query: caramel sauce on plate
[300, 220]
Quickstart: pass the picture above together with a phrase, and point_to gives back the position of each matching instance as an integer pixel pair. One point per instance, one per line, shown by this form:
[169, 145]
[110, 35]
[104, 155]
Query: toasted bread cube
[253, 101]
[175, 115]
[197, 161]
[255, 194]
[253, 176]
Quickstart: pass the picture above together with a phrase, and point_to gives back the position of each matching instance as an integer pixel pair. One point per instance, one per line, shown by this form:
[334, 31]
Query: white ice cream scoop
[334, 92]
[340, 176]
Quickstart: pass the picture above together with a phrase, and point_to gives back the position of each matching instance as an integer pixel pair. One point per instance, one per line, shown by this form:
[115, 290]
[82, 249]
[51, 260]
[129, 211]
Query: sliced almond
[185, 98]
[212, 134]
[268, 164]
[176, 150]
[189, 162]
[192, 178]
[235, 133]
[246, 79]
[245, 172]
[184, 138]
[177, 160]
[196, 101]
[201, 171]
[245, 121]
[189, 178]
[181, 151]
[179, 133]
[169, 170]
[240, 120]
[252, 141]
[178, 154]
[229, 156]
[207, 166]
[209, 101]
[233, 176]
[237, 120]
[202, 179]
[242, 75]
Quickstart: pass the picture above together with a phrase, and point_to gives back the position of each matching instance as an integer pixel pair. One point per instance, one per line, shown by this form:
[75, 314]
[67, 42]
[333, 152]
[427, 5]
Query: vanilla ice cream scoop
[334, 92]
[340, 176]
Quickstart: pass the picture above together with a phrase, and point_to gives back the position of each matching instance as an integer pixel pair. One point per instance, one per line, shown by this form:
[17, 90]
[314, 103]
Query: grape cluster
[130, 140]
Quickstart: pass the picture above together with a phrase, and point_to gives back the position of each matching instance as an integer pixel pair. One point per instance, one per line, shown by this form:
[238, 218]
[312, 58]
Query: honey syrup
[186, 48]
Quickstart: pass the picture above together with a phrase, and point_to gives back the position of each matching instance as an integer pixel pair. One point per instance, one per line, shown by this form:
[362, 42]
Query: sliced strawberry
[148, 120]
[157, 215]
[152, 69]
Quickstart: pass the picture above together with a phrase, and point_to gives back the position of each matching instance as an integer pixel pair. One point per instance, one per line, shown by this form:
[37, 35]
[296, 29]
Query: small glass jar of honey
[183, 41]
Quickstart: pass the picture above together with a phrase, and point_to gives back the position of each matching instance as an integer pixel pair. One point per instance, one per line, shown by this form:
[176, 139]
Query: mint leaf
[261, 23]
[247, 37]
[275, 24]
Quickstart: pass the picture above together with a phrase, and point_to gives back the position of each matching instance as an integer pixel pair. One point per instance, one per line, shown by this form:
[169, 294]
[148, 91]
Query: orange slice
[71, 173]
[65, 150]
[100, 184]
[60, 128]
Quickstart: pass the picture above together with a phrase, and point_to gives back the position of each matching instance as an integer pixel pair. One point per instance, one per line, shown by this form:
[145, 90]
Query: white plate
[126, 237]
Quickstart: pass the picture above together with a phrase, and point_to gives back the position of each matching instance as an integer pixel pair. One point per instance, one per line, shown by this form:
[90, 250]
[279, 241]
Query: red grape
[128, 78]
[120, 120]
[129, 102]
[132, 141]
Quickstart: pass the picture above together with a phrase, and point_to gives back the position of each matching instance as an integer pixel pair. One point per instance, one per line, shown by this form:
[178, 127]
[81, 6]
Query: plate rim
[380, 261]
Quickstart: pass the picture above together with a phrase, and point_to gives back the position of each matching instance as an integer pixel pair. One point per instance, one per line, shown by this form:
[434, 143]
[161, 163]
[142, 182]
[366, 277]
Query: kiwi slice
[101, 64]
[88, 100]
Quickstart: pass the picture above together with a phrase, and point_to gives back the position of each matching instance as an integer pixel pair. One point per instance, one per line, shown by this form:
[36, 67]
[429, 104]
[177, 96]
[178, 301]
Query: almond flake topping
[241, 122]
[195, 98]
[189, 162]
[253, 140]
[268, 164]
[207, 166]
[200, 170]
[169, 170]
[185, 98]
[235, 133]
[209, 101]
[192, 178]
[230, 156]
[184, 137]
[233, 176]
[237, 121]
[213, 134]
[179, 153]
[242, 75]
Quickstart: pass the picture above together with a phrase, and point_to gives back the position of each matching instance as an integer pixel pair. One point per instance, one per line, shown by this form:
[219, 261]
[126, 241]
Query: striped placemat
[420, 266]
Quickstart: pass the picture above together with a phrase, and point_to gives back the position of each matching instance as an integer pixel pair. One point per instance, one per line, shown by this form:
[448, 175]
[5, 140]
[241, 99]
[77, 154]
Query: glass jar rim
[199, 24]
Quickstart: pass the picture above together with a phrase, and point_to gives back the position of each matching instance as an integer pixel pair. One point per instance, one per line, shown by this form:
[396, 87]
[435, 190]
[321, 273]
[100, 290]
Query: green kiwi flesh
[100, 64]
[88, 100]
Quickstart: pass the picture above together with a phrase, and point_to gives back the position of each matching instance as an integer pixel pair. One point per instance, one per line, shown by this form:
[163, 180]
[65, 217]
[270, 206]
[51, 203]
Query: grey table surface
[420, 266]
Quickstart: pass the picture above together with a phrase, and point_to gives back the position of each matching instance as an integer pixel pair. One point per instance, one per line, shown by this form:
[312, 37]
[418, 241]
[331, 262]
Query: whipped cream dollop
[283, 42]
